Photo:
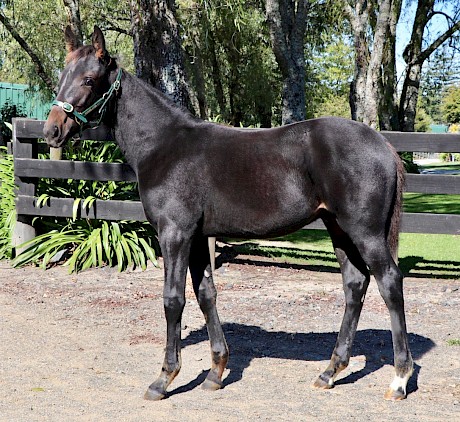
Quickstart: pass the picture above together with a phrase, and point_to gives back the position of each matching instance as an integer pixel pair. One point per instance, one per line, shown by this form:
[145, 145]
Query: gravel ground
[85, 347]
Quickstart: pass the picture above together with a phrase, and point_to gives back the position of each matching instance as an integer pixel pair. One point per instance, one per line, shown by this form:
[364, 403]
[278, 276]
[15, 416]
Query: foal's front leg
[175, 250]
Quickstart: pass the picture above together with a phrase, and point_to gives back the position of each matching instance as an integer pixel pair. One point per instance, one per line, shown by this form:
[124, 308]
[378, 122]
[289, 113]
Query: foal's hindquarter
[250, 183]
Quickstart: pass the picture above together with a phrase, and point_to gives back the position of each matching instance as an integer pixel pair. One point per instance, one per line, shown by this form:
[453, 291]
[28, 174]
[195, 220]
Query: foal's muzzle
[59, 127]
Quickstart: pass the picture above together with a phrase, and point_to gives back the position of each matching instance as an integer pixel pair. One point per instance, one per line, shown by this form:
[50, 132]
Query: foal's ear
[71, 41]
[99, 43]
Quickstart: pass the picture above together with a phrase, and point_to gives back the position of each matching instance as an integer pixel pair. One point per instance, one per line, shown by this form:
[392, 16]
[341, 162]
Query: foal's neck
[146, 119]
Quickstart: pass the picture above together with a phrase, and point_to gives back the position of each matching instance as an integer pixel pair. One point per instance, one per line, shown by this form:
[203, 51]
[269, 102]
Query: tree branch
[41, 72]
[435, 44]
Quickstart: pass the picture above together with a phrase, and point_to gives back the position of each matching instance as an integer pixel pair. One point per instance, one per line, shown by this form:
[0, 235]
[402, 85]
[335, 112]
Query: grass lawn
[420, 255]
[438, 204]
[441, 166]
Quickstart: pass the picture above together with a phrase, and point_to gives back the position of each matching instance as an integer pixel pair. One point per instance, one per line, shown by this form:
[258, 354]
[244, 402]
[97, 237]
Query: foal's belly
[258, 216]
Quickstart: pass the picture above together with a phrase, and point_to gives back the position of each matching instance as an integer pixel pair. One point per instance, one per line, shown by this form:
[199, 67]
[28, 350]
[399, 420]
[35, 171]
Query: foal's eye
[89, 82]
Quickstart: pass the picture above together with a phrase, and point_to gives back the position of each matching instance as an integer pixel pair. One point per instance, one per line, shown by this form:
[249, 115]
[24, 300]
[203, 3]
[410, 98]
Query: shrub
[7, 204]
[7, 112]
[85, 243]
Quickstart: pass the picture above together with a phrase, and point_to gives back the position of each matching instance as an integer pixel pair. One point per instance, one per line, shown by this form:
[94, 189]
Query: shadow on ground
[247, 342]
[248, 253]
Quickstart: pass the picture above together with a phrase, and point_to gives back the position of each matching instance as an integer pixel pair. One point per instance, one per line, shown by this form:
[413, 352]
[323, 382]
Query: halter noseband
[101, 103]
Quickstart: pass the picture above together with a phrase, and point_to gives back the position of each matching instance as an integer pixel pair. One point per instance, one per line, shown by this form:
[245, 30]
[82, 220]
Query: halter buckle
[67, 107]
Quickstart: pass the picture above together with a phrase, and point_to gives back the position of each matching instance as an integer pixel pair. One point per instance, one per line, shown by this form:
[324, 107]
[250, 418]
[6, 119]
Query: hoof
[323, 384]
[211, 385]
[154, 395]
[395, 395]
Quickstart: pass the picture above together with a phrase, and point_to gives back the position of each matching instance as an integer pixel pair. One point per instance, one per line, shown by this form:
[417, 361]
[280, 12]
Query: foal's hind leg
[205, 291]
[355, 278]
[390, 283]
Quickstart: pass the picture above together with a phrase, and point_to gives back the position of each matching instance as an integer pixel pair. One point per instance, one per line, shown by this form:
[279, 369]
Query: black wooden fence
[28, 168]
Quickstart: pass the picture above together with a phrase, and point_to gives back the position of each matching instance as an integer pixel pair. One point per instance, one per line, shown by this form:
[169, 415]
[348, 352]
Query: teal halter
[101, 103]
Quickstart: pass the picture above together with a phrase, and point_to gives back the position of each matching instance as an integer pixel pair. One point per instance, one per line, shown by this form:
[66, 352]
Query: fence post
[55, 153]
[23, 229]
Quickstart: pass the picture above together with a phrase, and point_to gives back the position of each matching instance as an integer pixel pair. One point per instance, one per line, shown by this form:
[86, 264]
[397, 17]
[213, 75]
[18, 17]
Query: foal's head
[84, 80]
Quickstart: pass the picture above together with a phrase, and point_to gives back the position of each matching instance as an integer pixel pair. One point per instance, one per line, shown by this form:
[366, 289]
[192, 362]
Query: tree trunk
[365, 94]
[158, 55]
[287, 24]
[216, 75]
[358, 18]
[388, 108]
[72, 7]
[409, 94]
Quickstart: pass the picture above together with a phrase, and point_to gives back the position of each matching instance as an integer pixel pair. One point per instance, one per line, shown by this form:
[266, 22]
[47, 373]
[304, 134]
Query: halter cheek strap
[101, 103]
[68, 108]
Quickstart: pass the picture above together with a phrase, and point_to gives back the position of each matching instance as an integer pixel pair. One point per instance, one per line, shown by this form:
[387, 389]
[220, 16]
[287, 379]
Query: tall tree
[367, 18]
[415, 55]
[287, 20]
[373, 24]
[158, 56]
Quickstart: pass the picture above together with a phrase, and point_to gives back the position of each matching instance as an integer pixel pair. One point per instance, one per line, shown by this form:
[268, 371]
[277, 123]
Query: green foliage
[107, 152]
[89, 243]
[440, 71]
[7, 113]
[453, 342]
[42, 24]
[230, 55]
[333, 105]
[408, 161]
[451, 105]
[449, 156]
[422, 120]
[92, 244]
[330, 74]
[7, 203]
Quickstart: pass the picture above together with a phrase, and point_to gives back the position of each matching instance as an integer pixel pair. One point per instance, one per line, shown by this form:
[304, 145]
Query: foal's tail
[395, 222]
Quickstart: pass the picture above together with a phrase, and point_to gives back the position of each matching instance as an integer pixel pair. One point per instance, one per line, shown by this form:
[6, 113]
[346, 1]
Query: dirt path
[84, 348]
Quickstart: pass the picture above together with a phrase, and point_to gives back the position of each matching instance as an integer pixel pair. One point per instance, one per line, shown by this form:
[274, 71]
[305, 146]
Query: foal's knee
[173, 305]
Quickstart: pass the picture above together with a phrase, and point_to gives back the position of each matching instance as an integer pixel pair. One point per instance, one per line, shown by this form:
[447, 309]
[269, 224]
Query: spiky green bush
[85, 243]
[7, 205]
[92, 245]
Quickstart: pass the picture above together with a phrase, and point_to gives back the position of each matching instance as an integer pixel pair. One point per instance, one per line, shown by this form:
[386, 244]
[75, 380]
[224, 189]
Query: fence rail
[28, 168]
